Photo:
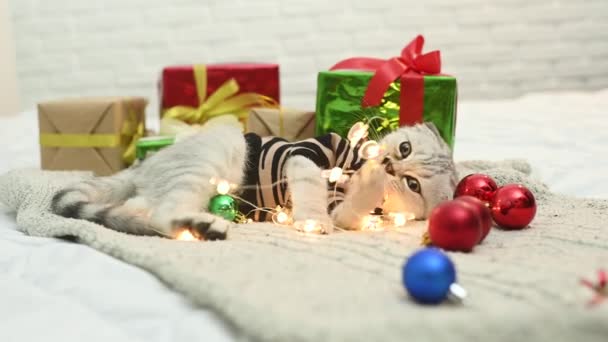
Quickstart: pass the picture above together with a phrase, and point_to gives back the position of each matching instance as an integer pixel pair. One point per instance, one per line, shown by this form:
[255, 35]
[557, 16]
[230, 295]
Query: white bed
[563, 135]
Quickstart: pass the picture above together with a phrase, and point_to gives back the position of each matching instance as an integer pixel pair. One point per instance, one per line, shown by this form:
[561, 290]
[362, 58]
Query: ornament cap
[457, 293]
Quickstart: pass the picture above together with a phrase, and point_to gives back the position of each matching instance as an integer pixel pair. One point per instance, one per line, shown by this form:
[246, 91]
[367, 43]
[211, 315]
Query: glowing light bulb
[282, 218]
[223, 187]
[335, 174]
[310, 226]
[371, 149]
[399, 219]
[357, 132]
[185, 235]
[372, 222]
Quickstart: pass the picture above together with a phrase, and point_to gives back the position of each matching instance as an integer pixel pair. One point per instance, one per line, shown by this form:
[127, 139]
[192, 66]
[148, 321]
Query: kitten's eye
[413, 184]
[405, 148]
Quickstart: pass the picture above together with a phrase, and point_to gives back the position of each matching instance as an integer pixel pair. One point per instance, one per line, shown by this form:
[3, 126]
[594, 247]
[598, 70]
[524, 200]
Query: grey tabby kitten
[171, 189]
[418, 174]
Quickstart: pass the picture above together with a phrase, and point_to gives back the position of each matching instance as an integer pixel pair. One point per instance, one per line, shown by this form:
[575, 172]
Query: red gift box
[178, 85]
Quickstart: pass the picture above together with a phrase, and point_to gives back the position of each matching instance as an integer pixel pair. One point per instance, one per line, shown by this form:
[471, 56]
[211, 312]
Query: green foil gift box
[386, 94]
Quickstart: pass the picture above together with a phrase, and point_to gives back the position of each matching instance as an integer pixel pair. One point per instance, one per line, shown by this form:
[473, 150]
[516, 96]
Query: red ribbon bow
[412, 65]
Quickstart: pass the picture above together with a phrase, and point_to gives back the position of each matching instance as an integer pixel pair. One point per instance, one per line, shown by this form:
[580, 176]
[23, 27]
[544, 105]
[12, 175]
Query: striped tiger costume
[265, 176]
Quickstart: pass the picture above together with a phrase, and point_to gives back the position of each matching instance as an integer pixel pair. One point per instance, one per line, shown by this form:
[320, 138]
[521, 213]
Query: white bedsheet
[563, 135]
[101, 299]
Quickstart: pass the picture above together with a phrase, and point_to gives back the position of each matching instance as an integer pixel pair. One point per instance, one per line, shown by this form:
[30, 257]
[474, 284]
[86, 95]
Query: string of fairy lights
[369, 149]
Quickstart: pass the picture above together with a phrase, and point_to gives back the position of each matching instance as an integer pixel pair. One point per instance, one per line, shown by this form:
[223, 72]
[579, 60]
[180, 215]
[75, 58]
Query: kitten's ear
[431, 126]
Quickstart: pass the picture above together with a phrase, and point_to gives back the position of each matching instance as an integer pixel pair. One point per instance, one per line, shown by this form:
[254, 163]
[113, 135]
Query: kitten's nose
[388, 166]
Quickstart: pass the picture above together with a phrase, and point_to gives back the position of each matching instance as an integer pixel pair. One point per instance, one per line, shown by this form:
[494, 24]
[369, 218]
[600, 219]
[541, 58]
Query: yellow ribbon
[131, 131]
[79, 140]
[223, 101]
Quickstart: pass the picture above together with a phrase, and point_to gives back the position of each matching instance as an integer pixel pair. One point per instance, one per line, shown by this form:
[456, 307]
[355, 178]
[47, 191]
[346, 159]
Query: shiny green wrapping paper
[339, 95]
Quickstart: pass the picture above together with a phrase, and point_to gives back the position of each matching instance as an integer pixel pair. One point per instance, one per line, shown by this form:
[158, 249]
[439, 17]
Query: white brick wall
[498, 48]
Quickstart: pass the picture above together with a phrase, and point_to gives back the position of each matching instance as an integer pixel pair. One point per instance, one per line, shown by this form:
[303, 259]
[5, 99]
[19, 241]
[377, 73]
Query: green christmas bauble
[224, 206]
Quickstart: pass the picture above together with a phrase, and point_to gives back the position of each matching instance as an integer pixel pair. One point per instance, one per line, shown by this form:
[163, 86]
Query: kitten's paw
[204, 226]
[327, 225]
[372, 175]
[368, 186]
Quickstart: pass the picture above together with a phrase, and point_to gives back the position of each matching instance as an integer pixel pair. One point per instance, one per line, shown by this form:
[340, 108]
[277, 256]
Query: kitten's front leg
[308, 192]
[365, 193]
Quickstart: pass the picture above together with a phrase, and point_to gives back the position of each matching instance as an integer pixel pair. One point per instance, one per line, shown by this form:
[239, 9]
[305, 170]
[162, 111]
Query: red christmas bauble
[477, 185]
[513, 207]
[455, 226]
[484, 214]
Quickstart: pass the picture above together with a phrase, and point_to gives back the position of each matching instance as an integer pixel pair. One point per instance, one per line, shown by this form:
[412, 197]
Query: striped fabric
[265, 182]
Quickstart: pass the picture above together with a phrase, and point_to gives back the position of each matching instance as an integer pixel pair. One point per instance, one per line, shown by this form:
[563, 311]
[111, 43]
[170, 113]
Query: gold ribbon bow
[132, 130]
[223, 101]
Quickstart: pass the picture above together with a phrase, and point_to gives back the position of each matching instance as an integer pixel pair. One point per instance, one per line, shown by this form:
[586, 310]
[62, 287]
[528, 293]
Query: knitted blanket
[271, 283]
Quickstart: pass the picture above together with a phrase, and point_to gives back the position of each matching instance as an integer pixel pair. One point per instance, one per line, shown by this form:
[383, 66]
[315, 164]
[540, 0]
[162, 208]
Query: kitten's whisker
[397, 185]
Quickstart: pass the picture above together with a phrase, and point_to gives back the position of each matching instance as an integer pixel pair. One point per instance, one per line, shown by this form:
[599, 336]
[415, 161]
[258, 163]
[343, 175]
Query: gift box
[90, 134]
[195, 93]
[386, 94]
[290, 124]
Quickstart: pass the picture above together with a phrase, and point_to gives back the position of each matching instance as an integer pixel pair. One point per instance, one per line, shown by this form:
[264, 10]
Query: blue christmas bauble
[427, 276]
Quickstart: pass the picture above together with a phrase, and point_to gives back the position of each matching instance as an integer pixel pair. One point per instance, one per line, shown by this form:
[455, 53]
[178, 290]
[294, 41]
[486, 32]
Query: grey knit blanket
[274, 284]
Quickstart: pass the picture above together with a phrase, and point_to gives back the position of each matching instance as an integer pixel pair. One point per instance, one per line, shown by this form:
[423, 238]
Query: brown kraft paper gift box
[90, 134]
[290, 124]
